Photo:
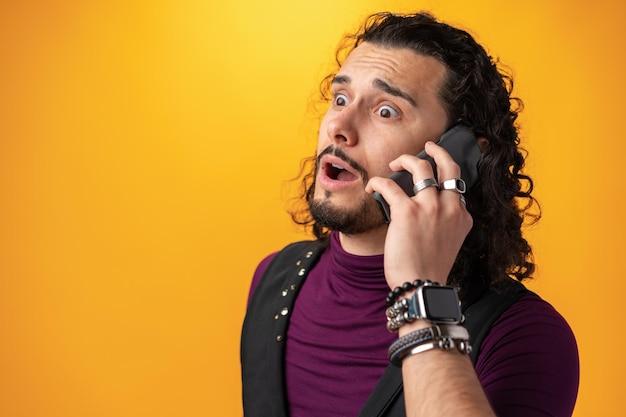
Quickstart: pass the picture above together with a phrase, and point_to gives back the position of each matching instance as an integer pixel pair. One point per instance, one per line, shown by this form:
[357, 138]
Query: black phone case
[462, 146]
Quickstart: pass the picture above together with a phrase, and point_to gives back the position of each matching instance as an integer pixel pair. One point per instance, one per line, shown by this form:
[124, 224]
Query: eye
[387, 112]
[340, 100]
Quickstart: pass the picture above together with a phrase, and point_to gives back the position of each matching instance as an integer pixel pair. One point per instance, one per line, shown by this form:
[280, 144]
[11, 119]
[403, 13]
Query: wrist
[405, 290]
[436, 304]
[413, 327]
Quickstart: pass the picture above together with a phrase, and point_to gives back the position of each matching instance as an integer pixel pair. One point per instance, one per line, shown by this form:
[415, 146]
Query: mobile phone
[461, 144]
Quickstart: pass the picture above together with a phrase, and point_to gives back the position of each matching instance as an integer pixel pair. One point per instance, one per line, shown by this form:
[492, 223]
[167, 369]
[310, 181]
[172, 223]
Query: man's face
[385, 103]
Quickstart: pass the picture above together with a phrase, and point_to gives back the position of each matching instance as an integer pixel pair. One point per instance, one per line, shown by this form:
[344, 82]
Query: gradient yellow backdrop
[143, 151]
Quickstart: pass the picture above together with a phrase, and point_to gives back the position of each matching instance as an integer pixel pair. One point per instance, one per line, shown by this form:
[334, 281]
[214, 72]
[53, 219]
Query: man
[314, 341]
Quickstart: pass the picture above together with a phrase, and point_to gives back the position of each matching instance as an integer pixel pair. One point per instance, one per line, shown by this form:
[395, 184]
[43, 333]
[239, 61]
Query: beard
[362, 216]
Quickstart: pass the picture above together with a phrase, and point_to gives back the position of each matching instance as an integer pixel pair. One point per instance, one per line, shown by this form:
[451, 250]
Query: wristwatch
[435, 304]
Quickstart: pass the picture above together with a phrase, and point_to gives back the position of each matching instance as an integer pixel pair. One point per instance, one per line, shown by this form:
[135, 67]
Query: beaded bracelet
[397, 292]
[397, 315]
[398, 312]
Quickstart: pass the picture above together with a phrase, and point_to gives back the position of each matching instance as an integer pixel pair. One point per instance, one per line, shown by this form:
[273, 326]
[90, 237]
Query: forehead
[418, 74]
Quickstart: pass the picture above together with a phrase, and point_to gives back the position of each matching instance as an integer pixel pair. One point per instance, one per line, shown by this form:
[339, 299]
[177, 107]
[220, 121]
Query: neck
[368, 243]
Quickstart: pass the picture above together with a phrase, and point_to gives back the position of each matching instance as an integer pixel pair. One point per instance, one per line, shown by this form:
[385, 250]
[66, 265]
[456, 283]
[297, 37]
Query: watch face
[441, 304]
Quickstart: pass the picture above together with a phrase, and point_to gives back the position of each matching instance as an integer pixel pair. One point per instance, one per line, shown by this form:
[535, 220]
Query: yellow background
[143, 151]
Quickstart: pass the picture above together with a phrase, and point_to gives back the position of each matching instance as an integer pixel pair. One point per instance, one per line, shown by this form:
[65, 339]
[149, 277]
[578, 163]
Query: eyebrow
[341, 79]
[381, 85]
[394, 91]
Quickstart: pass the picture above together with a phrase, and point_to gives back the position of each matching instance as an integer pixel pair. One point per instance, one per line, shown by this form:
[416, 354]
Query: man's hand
[427, 230]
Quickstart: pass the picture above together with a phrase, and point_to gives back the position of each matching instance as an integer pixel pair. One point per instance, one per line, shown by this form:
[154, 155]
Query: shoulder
[530, 349]
[531, 315]
[259, 271]
[285, 255]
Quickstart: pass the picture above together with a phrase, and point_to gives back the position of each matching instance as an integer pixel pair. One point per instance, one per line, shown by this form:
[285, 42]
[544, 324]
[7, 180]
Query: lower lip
[332, 184]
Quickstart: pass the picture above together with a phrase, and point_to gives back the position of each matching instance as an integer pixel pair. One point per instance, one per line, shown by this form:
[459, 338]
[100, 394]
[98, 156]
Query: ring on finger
[454, 184]
[428, 182]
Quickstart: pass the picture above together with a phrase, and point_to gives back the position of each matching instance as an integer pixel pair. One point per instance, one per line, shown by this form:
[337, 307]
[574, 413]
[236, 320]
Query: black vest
[265, 327]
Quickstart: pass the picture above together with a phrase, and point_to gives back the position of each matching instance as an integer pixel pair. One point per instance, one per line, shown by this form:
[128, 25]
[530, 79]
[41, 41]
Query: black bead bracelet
[397, 292]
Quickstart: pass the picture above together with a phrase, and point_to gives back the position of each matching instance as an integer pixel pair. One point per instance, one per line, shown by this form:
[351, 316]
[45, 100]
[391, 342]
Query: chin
[358, 217]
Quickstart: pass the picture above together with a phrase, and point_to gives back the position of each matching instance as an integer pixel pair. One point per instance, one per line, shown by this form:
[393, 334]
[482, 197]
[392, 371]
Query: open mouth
[339, 173]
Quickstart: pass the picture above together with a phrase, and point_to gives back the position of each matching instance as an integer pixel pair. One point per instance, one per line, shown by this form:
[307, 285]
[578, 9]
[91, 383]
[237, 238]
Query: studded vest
[265, 327]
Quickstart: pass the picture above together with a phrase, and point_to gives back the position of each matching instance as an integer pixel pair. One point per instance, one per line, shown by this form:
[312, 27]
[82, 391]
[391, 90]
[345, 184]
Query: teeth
[337, 166]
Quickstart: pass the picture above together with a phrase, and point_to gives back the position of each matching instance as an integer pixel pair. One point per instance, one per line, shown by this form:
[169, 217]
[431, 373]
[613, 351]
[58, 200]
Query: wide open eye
[340, 100]
[387, 112]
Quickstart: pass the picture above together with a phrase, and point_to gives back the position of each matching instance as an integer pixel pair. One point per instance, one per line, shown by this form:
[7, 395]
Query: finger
[449, 174]
[389, 189]
[454, 186]
[446, 167]
[420, 170]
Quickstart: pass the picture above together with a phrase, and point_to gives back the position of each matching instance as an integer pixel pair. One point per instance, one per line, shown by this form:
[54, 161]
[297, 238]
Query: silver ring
[428, 182]
[462, 198]
[454, 184]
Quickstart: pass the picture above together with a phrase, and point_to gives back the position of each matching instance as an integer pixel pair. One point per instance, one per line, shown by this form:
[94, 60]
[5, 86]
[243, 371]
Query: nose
[341, 127]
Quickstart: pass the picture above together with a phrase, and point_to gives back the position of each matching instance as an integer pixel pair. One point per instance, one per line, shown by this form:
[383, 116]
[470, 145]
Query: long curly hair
[477, 92]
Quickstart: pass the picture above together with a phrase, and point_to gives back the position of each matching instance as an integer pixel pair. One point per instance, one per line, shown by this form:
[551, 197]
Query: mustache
[337, 152]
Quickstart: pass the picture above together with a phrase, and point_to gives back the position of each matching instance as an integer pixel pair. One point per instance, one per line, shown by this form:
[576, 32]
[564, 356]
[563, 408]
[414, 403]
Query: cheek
[381, 157]
[387, 151]
[378, 164]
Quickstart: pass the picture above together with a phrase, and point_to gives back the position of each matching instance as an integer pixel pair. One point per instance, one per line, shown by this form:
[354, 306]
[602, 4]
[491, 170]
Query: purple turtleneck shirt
[336, 345]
